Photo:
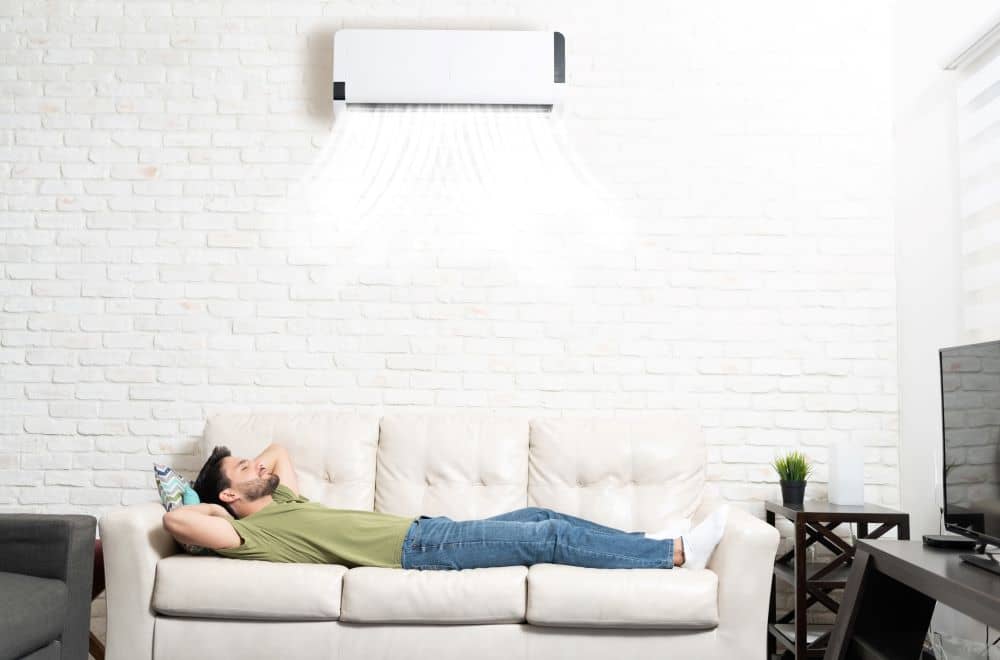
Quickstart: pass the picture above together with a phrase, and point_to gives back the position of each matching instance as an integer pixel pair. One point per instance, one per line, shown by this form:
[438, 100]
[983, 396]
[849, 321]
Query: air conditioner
[493, 67]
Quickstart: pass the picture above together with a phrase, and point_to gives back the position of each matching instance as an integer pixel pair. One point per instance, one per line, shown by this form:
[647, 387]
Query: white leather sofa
[633, 473]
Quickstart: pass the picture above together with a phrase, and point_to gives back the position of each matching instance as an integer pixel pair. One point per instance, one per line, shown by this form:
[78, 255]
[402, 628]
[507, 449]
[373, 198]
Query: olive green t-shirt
[293, 529]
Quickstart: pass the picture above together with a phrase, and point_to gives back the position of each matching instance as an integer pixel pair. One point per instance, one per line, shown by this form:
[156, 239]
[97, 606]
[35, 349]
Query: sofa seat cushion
[473, 595]
[34, 611]
[656, 598]
[216, 587]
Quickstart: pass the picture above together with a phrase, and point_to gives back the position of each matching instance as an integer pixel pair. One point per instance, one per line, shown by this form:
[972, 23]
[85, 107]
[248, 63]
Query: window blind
[978, 111]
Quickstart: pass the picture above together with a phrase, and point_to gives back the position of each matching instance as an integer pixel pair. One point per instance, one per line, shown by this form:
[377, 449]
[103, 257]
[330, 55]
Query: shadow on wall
[318, 77]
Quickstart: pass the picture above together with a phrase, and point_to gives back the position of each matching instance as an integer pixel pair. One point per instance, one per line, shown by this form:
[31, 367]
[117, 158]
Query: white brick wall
[153, 267]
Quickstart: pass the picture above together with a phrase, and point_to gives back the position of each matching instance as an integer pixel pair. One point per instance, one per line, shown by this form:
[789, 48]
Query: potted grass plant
[793, 470]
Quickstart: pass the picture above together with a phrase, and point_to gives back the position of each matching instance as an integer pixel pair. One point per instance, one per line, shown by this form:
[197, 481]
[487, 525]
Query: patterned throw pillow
[175, 492]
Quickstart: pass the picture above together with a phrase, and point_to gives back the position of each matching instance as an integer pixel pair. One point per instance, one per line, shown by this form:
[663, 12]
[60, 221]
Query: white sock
[674, 528]
[701, 541]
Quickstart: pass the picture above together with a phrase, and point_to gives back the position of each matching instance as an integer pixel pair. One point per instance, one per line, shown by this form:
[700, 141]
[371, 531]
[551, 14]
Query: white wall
[928, 235]
[151, 271]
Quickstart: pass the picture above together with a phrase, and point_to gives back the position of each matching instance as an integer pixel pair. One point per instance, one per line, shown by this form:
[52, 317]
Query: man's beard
[258, 488]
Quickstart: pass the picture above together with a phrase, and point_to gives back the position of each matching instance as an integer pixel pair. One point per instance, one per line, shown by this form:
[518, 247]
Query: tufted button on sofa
[633, 473]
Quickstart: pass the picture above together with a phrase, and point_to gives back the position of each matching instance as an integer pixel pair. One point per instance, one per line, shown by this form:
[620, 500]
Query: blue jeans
[528, 536]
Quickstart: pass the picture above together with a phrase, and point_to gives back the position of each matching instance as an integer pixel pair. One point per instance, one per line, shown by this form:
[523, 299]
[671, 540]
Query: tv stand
[890, 596]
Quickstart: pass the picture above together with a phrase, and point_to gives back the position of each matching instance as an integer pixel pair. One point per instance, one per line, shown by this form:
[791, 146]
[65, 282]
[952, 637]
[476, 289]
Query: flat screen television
[970, 414]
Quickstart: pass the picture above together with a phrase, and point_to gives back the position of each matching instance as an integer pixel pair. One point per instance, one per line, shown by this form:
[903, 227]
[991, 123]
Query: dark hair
[212, 480]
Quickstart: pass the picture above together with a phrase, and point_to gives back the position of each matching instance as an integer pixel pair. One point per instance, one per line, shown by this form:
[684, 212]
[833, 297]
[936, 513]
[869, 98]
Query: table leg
[772, 608]
[801, 615]
[843, 629]
[879, 617]
[96, 648]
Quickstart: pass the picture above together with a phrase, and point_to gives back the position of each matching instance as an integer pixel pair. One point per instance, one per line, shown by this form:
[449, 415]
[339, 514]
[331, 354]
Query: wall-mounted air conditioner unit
[494, 67]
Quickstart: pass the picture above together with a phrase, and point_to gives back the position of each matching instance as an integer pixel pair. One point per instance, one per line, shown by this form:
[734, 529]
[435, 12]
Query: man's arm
[275, 459]
[206, 525]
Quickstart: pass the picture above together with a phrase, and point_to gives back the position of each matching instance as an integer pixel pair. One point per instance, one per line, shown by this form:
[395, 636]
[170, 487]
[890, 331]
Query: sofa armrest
[744, 562]
[59, 547]
[133, 540]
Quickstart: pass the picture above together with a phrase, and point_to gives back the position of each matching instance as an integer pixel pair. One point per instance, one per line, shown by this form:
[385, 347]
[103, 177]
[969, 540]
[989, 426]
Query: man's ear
[228, 496]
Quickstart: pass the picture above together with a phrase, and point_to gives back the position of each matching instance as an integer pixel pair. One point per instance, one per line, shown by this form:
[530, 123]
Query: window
[978, 110]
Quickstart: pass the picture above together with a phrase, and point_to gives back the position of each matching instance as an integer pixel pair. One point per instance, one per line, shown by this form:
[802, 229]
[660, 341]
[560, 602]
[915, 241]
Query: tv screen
[970, 406]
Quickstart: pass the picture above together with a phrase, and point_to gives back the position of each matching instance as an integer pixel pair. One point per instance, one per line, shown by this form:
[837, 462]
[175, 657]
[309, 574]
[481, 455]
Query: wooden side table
[812, 582]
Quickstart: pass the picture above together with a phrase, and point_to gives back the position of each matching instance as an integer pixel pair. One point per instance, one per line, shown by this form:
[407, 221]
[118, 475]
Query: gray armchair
[46, 569]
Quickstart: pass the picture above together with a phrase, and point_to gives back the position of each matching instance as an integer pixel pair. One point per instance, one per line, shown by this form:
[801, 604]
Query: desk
[890, 596]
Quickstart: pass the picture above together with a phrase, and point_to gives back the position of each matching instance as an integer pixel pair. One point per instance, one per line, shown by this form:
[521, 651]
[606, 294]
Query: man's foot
[674, 528]
[699, 543]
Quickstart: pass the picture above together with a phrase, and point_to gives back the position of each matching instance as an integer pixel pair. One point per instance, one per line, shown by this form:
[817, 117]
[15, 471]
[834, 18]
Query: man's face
[251, 482]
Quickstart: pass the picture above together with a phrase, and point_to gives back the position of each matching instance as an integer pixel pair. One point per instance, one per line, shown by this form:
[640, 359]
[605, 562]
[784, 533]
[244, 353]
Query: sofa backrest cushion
[333, 451]
[462, 465]
[633, 473]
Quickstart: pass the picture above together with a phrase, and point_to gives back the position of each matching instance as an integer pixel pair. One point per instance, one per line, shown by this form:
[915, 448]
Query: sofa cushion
[34, 610]
[475, 595]
[215, 587]
[463, 466]
[571, 596]
[632, 472]
[333, 451]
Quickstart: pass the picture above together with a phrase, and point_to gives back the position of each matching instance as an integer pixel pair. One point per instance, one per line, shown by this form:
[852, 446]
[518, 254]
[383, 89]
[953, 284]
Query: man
[252, 509]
